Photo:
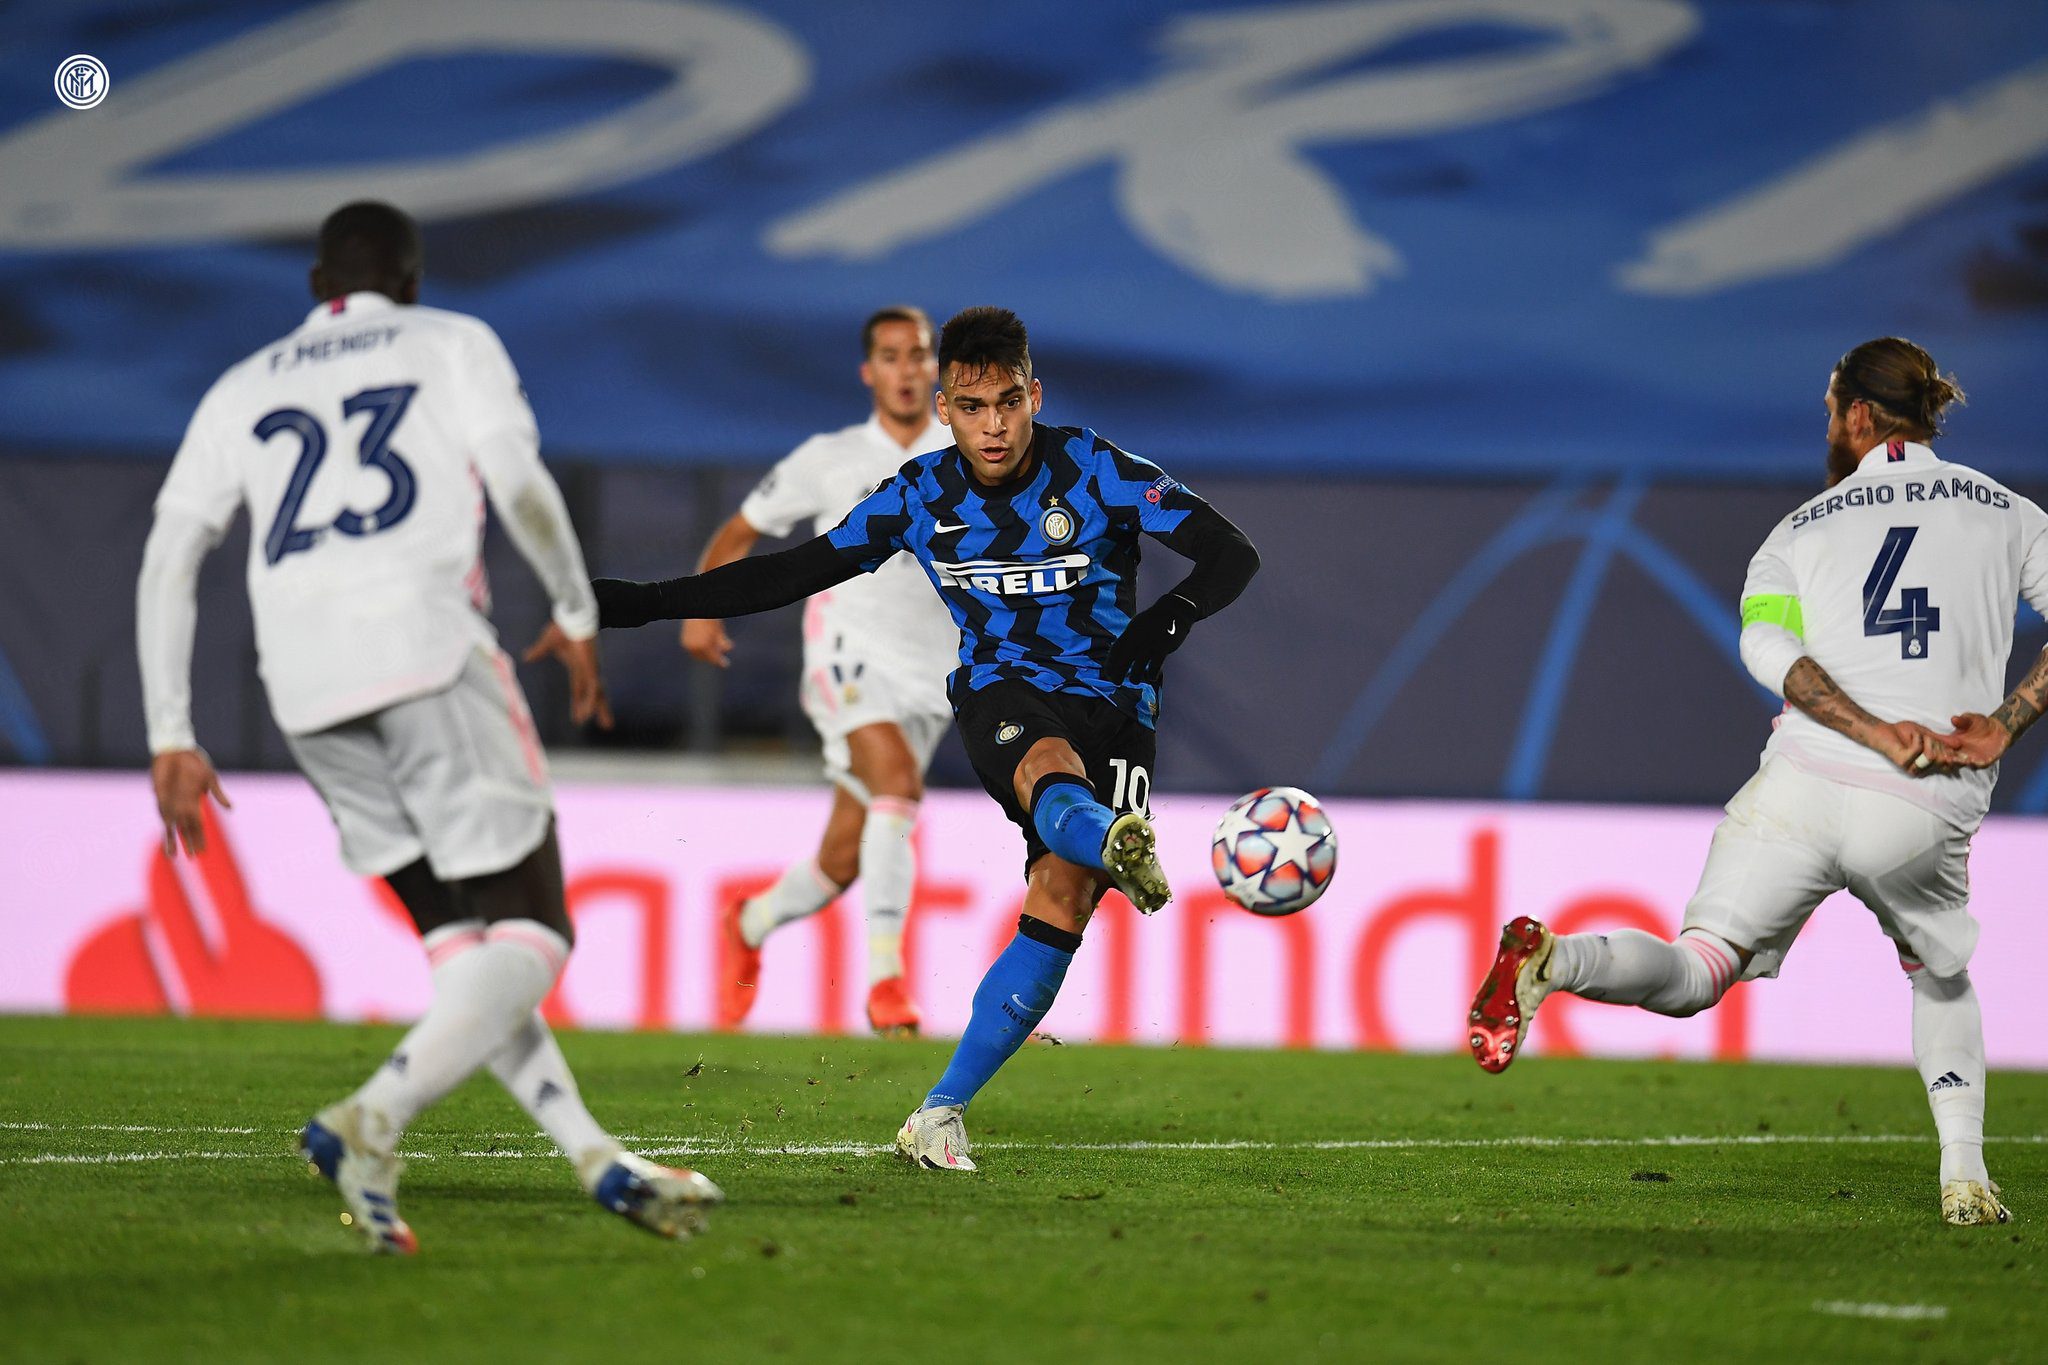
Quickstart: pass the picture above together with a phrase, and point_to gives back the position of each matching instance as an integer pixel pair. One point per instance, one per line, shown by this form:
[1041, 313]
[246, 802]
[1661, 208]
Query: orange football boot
[890, 1011]
[739, 969]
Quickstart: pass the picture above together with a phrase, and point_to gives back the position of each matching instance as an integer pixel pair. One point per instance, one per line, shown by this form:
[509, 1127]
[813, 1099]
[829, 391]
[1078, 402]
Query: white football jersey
[891, 619]
[1903, 580]
[362, 444]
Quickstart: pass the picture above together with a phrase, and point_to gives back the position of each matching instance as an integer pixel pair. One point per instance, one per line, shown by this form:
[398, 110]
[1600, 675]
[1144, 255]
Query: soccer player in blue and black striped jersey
[1031, 535]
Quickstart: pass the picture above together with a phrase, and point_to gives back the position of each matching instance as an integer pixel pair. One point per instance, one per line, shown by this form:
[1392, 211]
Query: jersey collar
[1889, 455]
[361, 304]
[1034, 465]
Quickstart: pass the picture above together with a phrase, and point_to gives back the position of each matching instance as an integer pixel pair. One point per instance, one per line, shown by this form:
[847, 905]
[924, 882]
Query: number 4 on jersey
[1913, 620]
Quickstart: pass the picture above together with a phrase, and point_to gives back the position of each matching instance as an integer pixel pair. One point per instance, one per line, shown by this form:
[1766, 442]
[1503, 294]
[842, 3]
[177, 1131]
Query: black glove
[1153, 633]
[622, 603]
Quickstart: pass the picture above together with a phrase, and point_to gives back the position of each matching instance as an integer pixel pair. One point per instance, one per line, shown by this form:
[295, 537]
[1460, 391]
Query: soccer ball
[1274, 851]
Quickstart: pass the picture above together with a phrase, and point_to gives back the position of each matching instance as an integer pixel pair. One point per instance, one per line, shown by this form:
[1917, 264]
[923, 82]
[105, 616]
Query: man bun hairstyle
[895, 312]
[980, 339]
[1901, 381]
[368, 243]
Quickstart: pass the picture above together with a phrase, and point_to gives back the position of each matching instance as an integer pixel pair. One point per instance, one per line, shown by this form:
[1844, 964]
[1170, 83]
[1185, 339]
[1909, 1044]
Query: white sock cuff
[896, 807]
[830, 888]
[451, 940]
[1722, 962]
[544, 943]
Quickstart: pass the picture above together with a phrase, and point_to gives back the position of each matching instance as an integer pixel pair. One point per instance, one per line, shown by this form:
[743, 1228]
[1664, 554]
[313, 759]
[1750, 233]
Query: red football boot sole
[1505, 1003]
[739, 969]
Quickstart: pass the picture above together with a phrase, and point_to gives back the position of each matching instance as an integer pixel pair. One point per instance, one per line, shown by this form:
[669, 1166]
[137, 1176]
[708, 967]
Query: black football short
[1001, 722]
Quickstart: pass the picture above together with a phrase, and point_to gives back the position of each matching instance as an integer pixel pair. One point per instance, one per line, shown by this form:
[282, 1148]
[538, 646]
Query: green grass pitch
[1133, 1204]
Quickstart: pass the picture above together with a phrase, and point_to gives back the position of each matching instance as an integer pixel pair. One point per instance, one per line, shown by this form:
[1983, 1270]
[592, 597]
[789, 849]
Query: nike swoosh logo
[1020, 1002]
[942, 528]
[1172, 627]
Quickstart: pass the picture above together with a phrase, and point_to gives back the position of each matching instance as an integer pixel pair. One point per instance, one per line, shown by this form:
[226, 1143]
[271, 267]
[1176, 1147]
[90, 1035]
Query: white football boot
[1965, 1203]
[1130, 855]
[936, 1139]
[332, 1144]
[668, 1201]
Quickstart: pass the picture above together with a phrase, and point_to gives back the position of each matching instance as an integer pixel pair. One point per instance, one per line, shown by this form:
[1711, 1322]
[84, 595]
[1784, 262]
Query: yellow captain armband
[1774, 609]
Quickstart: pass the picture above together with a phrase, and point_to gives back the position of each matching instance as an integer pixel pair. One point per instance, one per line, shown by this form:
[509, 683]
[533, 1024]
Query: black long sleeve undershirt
[740, 588]
[1224, 563]
[1224, 559]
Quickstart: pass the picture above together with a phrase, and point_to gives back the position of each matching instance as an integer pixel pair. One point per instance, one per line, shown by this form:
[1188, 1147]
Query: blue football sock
[1069, 820]
[1019, 988]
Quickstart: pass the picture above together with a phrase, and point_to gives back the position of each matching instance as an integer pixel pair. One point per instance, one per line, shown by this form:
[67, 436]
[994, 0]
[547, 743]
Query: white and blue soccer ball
[1274, 851]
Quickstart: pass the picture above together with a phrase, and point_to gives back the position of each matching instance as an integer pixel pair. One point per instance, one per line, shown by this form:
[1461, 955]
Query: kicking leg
[1625, 967]
[1019, 988]
[1052, 784]
[1630, 967]
[1948, 1045]
[884, 765]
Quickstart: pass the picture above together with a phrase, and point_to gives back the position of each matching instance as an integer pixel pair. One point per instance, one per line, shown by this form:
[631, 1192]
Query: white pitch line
[699, 1146]
[118, 1128]
[1898, 1312]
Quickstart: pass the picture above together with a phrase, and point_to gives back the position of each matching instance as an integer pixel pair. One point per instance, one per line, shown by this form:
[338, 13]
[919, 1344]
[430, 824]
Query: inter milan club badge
[82, 81]
[1008, 731]
[1057, 525]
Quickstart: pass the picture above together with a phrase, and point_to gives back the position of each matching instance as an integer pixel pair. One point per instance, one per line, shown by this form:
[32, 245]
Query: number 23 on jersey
[385, 408]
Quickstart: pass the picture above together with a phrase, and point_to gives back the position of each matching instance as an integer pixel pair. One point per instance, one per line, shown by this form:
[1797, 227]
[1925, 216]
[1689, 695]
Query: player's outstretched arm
[1982, 740]
[704, 637]
[1224, 562]
[1914, 748]
[738, 589]
[166, 615]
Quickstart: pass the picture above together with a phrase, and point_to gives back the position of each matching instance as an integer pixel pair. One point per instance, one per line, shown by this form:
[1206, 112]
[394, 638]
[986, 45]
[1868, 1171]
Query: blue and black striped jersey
[1041, 572]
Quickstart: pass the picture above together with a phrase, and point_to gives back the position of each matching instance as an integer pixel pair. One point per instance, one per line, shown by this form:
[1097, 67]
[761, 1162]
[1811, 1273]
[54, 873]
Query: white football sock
[800, 892]
[536, 1073]
[888, 873]
[483, 992]
[1630, 967]
[1948, 1044]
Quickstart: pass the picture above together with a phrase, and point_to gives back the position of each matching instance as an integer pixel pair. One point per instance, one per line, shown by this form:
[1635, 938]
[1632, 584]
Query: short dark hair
[368, 243]
[978, 339]
[1900, 379]
[895, 312]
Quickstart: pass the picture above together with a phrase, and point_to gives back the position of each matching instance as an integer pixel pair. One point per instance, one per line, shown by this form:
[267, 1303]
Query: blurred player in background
[1031, 535]
[363, 445]
[1889, 595]
[876, 654]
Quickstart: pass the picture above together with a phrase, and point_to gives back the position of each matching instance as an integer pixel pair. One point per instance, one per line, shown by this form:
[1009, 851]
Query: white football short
[843, 693]
[457, 775]
[1791, 840]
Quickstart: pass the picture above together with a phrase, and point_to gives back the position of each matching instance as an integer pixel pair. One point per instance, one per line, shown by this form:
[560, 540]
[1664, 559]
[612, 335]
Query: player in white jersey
[364, 445]
[877, 652]
[1882, 611]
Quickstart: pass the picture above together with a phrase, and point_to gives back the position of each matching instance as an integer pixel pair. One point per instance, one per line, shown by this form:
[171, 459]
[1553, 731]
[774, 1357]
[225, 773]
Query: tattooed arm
[1912, 747]
[1983, 740]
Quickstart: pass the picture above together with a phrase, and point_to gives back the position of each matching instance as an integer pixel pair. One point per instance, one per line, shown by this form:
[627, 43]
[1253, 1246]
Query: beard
[1842, 460]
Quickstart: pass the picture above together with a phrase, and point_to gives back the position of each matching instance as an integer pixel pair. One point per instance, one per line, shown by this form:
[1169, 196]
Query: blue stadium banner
[1460, 237]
